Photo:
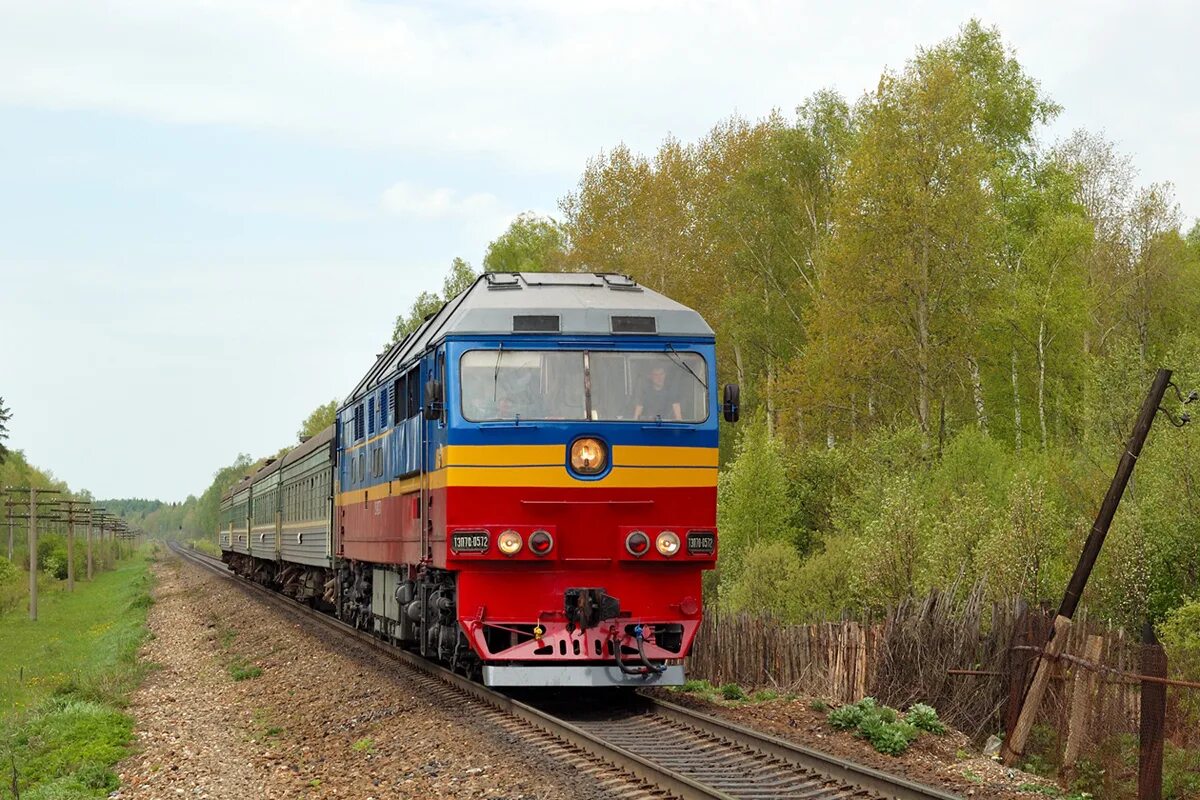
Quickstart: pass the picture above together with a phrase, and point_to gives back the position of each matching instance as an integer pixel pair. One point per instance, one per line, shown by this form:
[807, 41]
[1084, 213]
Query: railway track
[661, 749]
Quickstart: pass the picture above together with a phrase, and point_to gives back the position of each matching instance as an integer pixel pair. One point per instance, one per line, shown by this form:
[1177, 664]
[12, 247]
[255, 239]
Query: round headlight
[509, 543]
[637, 543]
[588, 456]
[667, 543]
[541, 542]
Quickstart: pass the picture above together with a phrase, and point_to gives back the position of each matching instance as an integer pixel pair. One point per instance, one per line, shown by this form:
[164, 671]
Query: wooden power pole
[1014, 744]
[33, 554]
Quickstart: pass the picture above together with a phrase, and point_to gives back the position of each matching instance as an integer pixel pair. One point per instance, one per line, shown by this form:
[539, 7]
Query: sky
[211, 211]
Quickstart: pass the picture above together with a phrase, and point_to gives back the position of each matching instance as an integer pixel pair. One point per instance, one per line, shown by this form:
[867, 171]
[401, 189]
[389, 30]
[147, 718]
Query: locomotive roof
[582, 302]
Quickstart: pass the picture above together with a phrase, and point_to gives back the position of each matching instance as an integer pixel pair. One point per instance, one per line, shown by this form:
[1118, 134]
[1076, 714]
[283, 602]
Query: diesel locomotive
[524, 488]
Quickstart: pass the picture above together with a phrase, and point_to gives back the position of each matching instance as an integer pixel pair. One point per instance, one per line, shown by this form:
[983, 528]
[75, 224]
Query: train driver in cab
[659, 398]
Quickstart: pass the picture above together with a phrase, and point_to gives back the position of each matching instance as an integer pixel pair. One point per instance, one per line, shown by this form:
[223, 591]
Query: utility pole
[90, 511]
[8, 504]
[71, 506]
[33, 554]
[1014, 745]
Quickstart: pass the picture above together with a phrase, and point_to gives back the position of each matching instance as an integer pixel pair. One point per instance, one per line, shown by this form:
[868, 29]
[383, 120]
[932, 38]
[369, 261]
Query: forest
[943, 324]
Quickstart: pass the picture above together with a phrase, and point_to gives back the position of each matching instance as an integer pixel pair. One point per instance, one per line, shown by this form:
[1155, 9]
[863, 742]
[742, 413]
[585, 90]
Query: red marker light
[541, 542]
[637, 543]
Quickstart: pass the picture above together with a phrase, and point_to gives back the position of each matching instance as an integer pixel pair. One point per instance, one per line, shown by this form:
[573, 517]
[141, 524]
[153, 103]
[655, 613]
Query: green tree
[320, 419]
[753, 505]
[426, 303]
[458, 278]
[531, 244]
[5, 416]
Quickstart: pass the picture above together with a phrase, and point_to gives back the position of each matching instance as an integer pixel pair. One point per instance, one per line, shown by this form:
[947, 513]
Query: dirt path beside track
[325, 718]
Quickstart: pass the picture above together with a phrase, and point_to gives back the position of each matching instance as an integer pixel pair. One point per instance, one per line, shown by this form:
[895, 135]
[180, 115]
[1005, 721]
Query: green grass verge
[64, 681]
[206, 546]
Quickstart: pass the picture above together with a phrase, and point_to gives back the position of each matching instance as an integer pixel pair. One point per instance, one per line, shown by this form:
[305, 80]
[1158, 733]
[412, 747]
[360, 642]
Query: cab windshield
[670, 386]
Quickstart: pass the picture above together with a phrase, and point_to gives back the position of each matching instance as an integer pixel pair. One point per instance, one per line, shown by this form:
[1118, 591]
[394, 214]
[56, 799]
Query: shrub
[924, 718]
[731, 691]
[846, 718]
[892, 739]
[879, 725]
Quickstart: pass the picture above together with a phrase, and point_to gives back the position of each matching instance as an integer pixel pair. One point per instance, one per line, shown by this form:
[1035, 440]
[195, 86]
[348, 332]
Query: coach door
[432, 419]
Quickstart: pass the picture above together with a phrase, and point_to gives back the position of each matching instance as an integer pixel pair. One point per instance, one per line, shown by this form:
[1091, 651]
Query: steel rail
[786, 767]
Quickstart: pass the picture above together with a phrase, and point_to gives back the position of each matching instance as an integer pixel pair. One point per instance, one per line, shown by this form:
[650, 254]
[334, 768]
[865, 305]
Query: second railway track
[663, 748]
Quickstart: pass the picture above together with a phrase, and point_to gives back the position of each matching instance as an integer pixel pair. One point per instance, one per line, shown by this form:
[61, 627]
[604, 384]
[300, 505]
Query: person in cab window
[658, 399]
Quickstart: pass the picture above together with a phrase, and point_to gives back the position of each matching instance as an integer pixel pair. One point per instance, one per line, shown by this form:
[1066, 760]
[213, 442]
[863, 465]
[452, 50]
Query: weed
[880, 725]
[924, 717]
[364, 745]
[697, 687]
[765, 696]
[240, 669]
[820, 706]
[731, 691]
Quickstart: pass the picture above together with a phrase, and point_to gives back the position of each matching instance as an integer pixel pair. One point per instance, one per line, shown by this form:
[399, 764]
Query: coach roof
[562, 304]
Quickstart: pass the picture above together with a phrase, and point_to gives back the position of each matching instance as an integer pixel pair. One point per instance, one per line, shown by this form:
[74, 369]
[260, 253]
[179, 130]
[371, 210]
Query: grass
[263, 728]
[64, 682]
[364, 745]
[206, 546]
[242, 670]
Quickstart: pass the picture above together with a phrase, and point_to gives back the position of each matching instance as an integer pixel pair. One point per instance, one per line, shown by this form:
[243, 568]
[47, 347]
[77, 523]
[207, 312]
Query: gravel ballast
[250, 702]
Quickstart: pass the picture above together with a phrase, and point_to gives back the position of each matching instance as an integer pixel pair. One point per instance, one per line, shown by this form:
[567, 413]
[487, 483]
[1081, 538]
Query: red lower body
[501, 599]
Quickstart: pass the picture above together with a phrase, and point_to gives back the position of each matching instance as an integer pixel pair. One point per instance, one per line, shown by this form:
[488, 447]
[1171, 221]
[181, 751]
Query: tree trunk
[1041, 389]
[1016, 404]
[737, 361]
[977, 391]
[770, 398]
[923, 362]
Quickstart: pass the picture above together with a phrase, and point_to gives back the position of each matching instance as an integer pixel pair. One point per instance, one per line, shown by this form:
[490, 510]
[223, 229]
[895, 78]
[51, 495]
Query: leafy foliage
[531, 244]
[5, 416]
[883, 727]
[942, 328]
[924, 717]
[458, 278]
[321, 418]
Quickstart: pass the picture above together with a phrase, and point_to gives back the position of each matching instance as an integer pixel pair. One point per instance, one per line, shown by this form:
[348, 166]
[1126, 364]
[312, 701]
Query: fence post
[1018, 665]
[1081, 702]
[1154, 710]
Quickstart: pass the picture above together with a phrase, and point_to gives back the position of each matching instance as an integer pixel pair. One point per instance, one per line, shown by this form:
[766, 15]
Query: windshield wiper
[496, 373]
[678, 359]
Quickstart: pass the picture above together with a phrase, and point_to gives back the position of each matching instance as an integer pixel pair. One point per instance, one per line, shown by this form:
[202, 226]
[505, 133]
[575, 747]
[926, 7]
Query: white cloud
[540, 85]
[406, 200]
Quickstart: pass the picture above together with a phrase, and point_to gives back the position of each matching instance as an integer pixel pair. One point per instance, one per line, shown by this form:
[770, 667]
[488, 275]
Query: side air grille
[536, 323]
[634, 325]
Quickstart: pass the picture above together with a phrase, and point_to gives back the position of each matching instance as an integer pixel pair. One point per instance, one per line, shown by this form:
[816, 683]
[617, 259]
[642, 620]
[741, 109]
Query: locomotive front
[575, 474]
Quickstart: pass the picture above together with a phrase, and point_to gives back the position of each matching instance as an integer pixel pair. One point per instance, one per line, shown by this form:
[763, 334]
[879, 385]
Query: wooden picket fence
[834, 660]
[953, 649]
